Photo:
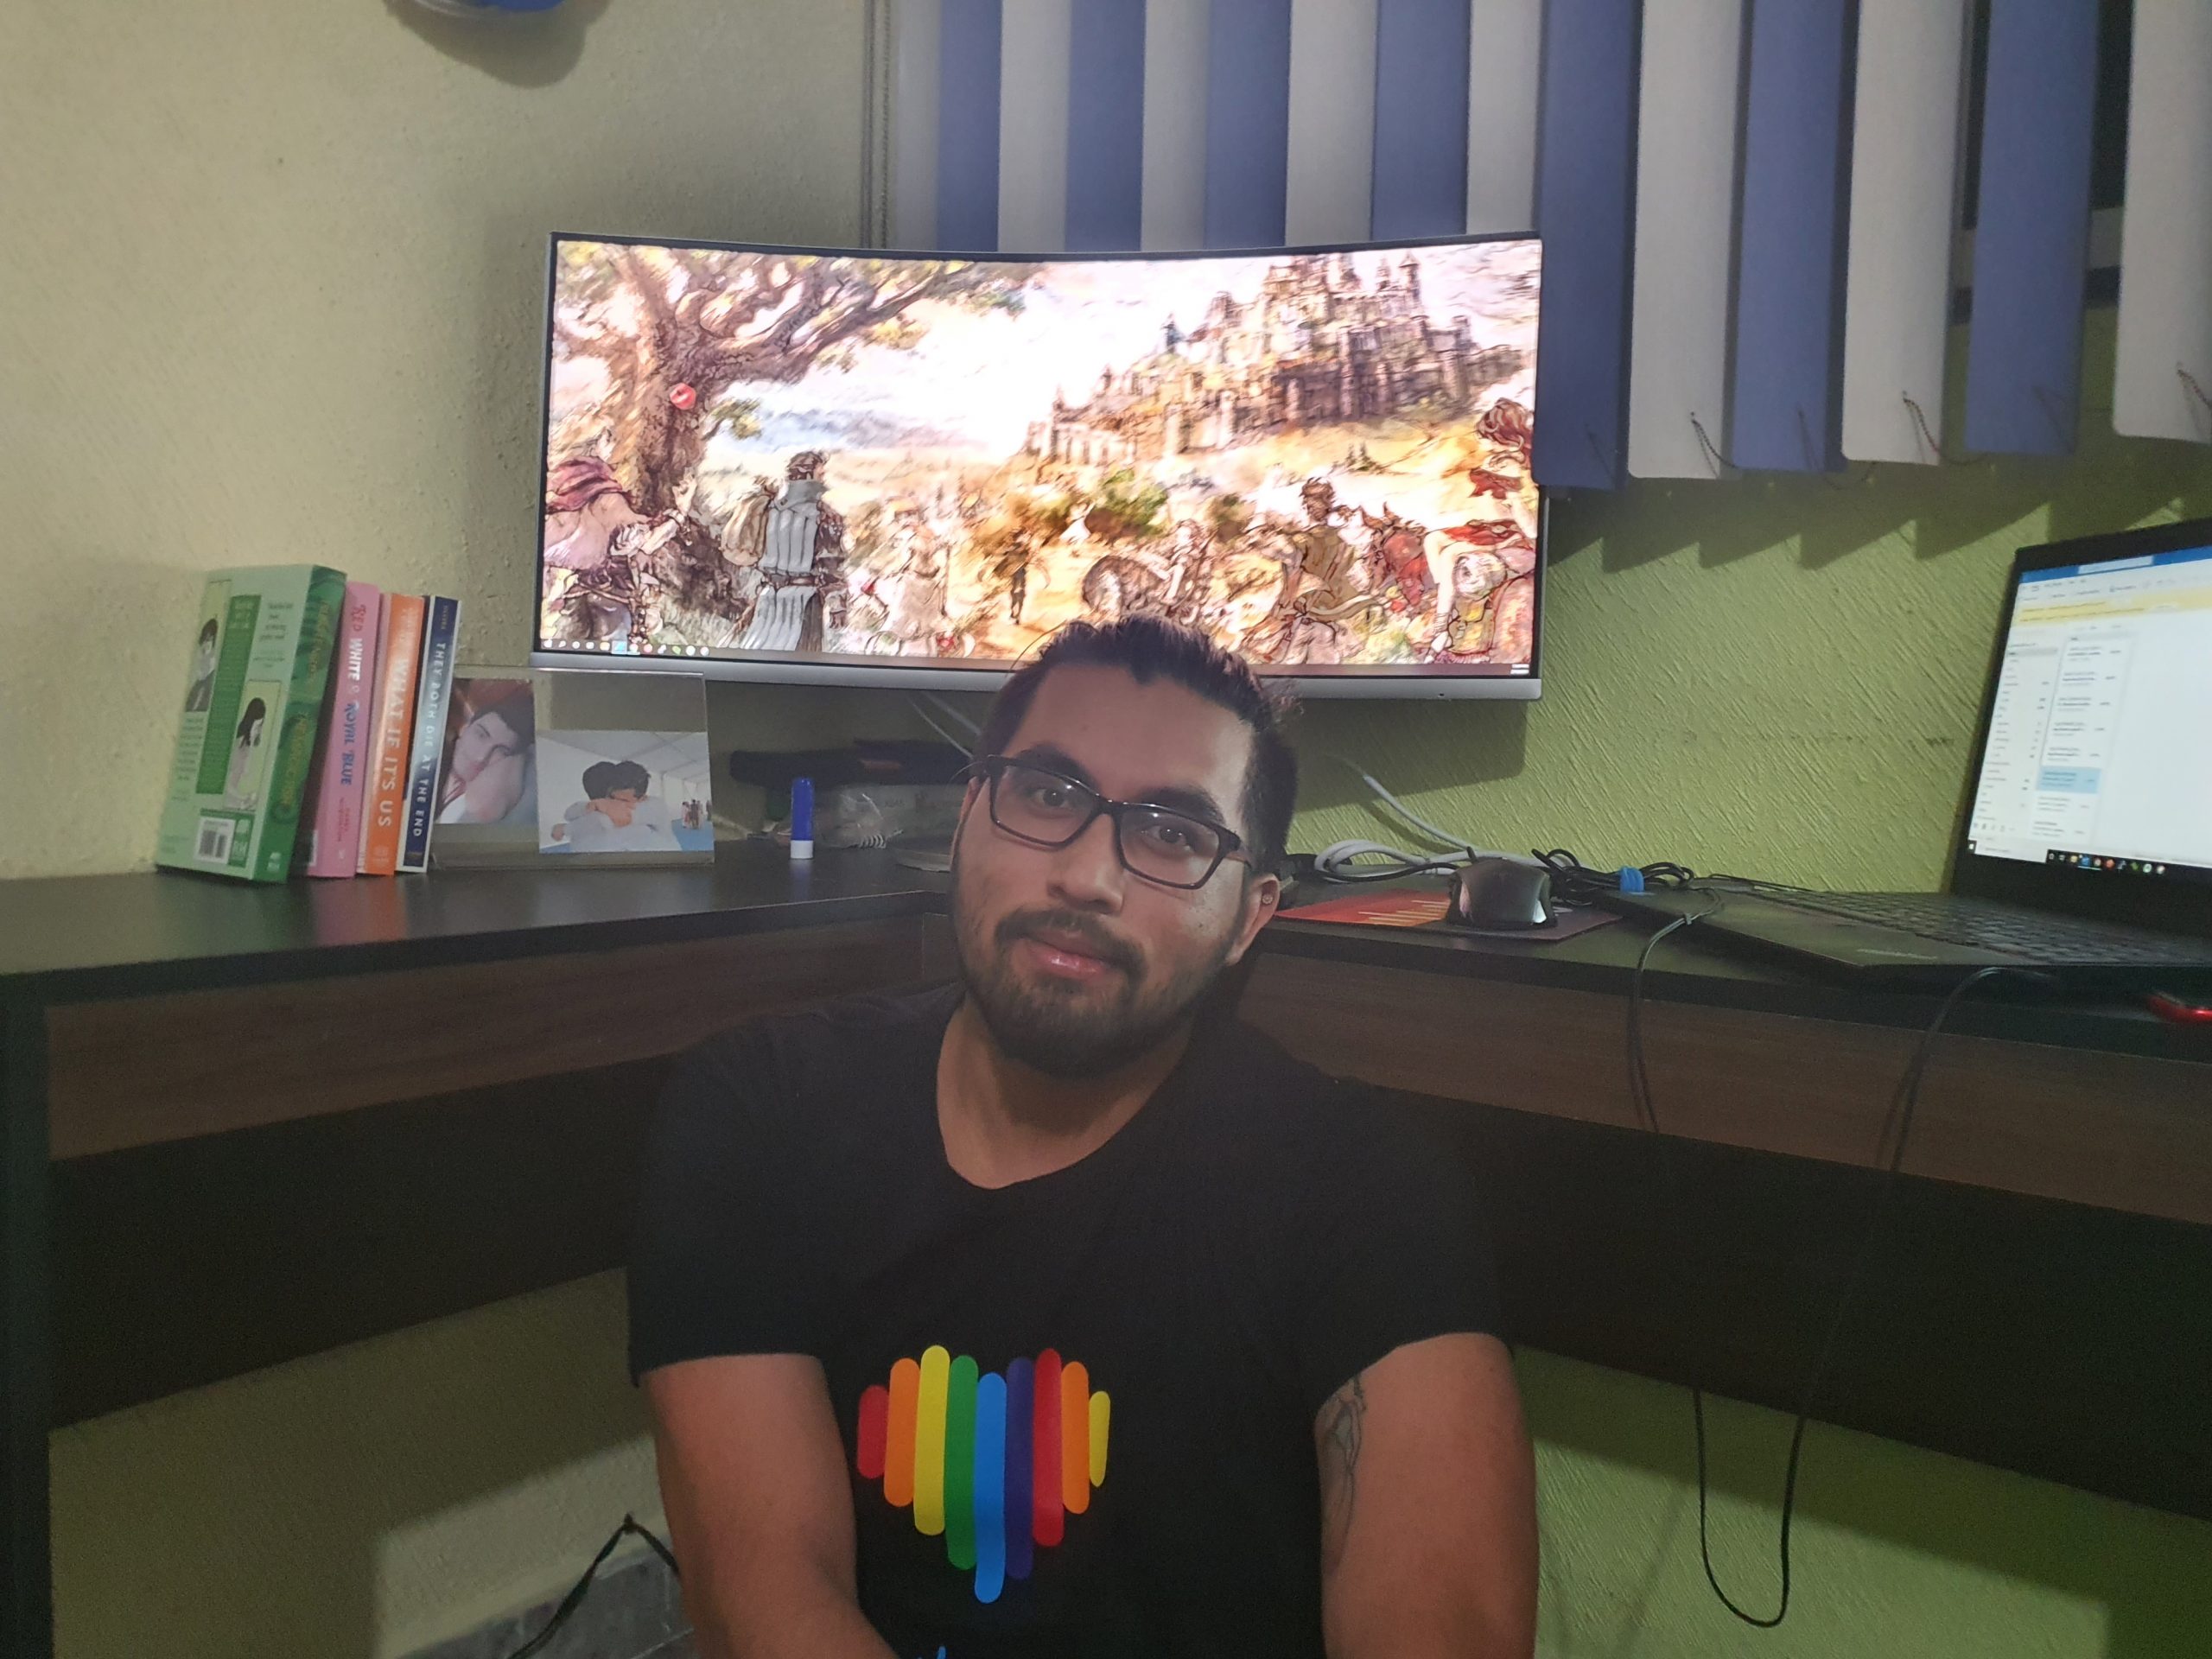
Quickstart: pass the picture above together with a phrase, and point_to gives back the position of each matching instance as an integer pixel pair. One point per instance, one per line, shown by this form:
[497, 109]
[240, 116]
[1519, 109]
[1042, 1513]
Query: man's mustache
[1095, 939]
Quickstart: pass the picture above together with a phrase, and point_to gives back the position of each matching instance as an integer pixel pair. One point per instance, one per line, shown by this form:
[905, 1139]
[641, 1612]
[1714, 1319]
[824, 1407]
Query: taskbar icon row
[622, 648]
[2099, 861]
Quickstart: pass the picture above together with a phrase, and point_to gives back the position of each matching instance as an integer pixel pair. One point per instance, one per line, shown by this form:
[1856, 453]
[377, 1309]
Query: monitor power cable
[1896, 1128]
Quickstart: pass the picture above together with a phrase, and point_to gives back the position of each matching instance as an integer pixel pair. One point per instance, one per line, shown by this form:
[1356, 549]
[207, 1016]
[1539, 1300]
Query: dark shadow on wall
[1409, 747]
[2108, 483]
[1935, 510]
[522, 48]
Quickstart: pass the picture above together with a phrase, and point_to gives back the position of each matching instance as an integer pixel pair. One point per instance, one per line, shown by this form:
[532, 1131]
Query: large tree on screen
[680, 330]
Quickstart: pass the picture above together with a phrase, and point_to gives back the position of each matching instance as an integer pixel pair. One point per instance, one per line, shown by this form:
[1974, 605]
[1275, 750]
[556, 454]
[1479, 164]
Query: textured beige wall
[272, 281]
[271, 284]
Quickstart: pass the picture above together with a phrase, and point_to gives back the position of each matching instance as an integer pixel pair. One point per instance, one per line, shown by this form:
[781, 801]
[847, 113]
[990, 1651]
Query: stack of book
[313, 734]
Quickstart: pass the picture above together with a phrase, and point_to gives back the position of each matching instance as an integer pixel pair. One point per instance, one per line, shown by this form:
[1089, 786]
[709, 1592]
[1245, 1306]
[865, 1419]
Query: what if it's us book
[391, 730]
[245, 745]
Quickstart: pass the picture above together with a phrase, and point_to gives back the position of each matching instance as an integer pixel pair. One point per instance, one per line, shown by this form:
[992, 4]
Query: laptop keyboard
[2023, 933]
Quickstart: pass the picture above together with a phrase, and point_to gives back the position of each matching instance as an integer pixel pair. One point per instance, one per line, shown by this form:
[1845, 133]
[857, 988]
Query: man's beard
[1062, 1032]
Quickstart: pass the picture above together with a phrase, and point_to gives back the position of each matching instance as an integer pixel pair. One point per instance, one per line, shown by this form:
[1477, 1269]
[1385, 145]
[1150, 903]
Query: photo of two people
[624, 792]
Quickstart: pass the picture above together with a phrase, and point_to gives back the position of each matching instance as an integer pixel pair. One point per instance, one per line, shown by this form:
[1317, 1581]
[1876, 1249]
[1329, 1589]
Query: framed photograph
[487, 770]
[641, 795]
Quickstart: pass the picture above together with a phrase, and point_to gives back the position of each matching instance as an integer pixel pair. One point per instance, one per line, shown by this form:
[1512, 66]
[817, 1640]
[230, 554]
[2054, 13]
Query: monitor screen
[2095, 755]
[775, 464]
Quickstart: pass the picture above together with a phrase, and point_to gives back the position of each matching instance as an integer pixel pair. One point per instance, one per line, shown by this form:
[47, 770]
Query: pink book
[335, 830]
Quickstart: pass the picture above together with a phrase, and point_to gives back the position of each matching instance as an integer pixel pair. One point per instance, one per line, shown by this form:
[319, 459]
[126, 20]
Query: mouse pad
[1402, 907]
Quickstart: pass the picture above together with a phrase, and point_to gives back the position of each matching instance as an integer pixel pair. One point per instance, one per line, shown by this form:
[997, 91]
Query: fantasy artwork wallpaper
[1320, 460]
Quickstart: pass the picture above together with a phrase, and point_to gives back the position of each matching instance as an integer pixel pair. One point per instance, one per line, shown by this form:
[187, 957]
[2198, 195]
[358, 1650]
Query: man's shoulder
[806, 1080]
[1270, 1098]
[1257, 1081]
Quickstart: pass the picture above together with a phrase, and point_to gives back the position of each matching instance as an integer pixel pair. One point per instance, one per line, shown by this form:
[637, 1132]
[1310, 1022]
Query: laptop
[2085, 844]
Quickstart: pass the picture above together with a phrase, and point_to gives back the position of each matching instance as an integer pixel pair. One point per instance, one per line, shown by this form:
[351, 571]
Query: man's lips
[1061, 961]
[1070, 953]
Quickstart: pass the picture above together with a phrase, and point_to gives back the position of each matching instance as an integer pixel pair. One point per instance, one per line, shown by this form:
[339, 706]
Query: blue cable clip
[1631, 879]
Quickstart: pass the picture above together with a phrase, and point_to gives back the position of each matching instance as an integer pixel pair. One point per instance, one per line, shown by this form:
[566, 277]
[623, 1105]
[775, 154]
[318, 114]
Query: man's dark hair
[603, 778]
[1149, 648]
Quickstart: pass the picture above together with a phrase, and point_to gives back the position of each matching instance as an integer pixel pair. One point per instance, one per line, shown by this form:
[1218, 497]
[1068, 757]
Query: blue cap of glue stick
[802, 818]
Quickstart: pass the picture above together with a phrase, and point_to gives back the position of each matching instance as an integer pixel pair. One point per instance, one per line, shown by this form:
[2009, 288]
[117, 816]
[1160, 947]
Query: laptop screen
[2099, 749]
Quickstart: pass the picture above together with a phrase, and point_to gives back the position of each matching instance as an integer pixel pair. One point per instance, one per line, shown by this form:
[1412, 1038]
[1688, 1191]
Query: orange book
[399, 656]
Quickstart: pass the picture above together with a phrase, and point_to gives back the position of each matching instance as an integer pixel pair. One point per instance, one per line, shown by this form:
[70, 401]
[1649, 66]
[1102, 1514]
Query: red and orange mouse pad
[1429, 908]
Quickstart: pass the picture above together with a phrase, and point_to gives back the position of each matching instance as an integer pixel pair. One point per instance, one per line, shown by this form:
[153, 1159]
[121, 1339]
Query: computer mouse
[1502, 894]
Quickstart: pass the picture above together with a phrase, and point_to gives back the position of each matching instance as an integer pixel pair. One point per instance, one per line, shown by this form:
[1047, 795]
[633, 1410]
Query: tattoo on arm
[1338, 1431]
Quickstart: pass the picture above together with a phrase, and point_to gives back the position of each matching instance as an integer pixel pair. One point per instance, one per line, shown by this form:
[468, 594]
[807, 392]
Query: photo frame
[517, 744]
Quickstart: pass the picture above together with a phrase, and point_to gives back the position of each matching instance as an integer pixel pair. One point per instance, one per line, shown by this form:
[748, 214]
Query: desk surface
[67, 938]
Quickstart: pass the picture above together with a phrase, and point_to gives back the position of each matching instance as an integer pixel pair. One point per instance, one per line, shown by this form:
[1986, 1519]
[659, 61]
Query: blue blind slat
[1106, 125]
[2032, 235]
[1420, 117]
[1248, 123]
[968, 127]
[1783, 410]
[1586, 177]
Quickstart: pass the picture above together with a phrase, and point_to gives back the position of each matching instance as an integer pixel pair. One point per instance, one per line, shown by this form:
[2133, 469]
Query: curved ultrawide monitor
[783, 464]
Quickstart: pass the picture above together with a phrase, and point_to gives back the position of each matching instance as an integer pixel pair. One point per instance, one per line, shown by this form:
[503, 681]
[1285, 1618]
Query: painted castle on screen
[1317, 458]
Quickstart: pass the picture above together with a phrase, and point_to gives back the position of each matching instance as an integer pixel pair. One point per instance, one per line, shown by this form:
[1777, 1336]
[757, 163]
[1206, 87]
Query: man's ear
[1262, 897]
[966, 805]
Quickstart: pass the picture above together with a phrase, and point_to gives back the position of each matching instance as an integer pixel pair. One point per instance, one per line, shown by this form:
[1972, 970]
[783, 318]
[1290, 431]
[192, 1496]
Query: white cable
[1340, 862]
[1337, 863]
[964, 747]
[1401, 808]
[952, 713]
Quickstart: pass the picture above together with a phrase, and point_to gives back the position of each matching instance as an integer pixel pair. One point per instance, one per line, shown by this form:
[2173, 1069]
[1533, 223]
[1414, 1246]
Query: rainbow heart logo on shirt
[993, 1462]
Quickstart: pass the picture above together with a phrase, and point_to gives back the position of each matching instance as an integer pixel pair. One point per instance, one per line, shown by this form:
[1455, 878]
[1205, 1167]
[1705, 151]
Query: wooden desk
[246, 1124]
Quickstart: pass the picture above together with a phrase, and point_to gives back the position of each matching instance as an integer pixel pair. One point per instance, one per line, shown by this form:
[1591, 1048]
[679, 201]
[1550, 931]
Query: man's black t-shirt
[1078, 1412]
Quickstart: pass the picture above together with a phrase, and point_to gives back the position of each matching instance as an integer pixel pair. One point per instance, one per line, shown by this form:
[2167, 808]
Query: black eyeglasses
[1048, 808]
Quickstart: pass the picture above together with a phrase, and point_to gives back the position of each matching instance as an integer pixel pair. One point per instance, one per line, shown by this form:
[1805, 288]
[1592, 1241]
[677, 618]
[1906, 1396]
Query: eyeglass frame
[990, 767]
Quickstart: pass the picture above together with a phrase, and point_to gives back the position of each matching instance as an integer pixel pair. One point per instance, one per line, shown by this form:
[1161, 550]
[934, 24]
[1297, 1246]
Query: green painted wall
[271, 295]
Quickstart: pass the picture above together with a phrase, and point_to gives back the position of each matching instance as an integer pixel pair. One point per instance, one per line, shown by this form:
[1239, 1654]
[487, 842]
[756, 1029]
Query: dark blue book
[432, 688]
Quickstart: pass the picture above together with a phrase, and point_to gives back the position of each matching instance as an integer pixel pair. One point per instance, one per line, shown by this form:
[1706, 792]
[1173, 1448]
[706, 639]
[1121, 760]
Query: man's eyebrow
[1198, 802]
[1055, 759]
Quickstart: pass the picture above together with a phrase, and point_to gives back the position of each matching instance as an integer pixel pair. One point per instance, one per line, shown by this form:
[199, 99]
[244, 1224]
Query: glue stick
[802, 818]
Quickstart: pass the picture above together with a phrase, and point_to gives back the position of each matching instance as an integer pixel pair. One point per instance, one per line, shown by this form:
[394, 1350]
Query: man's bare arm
[752, 1474]
[1428, 1521]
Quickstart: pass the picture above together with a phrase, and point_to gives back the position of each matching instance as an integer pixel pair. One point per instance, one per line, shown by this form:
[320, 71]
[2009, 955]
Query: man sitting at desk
[1057, 1313]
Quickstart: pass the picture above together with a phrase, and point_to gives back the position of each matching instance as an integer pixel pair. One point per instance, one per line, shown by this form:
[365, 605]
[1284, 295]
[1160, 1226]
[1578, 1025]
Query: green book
[261, 654]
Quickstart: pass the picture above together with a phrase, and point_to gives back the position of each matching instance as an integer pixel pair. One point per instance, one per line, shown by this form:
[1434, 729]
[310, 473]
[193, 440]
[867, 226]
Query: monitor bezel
[1411, 682]
[2170, 903]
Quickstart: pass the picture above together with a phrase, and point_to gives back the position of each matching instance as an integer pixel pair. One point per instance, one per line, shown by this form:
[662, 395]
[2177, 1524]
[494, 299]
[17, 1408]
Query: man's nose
[1087, 872]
